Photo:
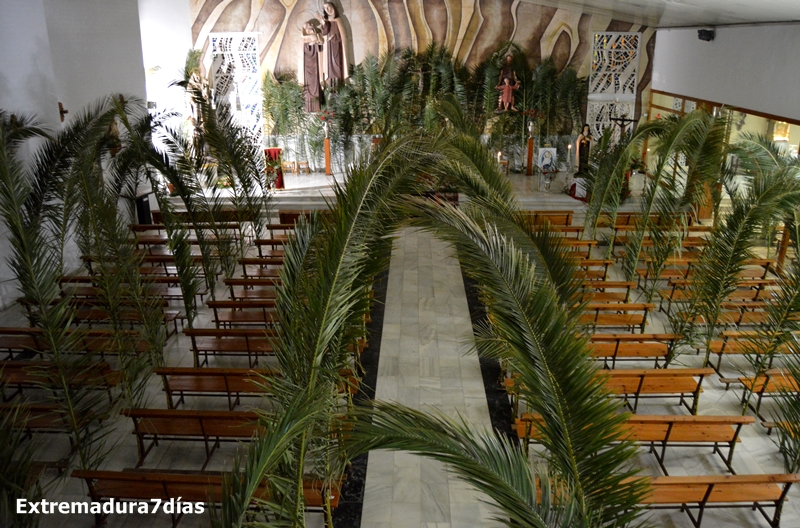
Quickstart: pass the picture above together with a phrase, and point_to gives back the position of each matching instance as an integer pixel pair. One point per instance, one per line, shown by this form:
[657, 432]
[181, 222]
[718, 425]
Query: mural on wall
[470, 29]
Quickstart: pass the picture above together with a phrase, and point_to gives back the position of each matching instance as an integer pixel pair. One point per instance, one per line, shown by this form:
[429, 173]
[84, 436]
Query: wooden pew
[631, 347]
[152, 426]
[593, 269]
[265, 267]
[554, 218]
[734, 342]
[774, 382]
[248, 342]
[205, 487]
[20, 375]
[90, 341]
[698, 493]
[248, 312]
[634, 385]
[263, 288]
[605, 315]
[230, 383]
[597, 291]
[658, 432]
[33, 418]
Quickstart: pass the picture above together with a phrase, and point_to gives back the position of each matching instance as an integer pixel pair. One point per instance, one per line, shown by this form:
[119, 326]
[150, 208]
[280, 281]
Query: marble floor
[424, 364]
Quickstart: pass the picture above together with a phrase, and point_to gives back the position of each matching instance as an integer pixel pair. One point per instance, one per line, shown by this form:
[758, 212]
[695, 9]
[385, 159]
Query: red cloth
[508, 92]
[273, 154]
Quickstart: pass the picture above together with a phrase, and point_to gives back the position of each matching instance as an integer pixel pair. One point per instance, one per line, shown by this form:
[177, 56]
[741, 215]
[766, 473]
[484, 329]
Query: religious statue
[507, 94]
[311, 67]
[335, 63]
[507, 72]
[582, 147]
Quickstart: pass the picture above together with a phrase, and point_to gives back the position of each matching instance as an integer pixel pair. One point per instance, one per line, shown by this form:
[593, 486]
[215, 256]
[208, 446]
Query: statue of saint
[312, 67]
[335, 63]
[507, 94]
[582, 147]
[507, 72]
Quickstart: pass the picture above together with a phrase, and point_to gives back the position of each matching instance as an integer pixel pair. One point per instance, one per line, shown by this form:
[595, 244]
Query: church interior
[399, 264]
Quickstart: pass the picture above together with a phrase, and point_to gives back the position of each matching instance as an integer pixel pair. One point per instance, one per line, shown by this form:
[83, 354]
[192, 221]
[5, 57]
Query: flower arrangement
[326, 116]
[533, 114]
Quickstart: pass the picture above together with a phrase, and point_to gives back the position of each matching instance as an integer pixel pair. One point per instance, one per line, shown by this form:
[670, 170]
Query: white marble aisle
[424, 364]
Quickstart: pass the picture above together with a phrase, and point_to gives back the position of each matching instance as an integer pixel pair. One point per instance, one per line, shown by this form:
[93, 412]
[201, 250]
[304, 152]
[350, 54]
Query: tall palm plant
[689, 152]
[534, 333]
[762, 197]
[609, 161]
[37, 260]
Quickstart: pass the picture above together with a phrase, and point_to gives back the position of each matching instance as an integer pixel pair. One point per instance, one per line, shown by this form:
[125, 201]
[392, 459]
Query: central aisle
[424, 364]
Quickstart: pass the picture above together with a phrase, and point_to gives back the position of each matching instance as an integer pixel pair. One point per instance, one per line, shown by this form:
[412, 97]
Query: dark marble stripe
[499, 406]
[348, 513]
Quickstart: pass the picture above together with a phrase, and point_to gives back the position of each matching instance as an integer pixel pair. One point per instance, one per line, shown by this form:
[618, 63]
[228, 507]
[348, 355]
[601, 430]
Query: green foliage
[689, 153]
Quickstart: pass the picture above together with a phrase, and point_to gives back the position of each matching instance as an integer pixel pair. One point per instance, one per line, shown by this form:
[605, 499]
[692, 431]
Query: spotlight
[706, 35]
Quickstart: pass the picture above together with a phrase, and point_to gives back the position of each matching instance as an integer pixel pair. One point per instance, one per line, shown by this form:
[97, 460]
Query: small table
[502, 163]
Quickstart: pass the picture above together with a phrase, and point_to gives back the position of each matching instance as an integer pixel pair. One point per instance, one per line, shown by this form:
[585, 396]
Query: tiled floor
[424, 364]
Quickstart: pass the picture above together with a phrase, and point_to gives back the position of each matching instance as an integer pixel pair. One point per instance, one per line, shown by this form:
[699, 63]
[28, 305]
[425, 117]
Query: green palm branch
[535, 333]
[527, 495]
[763, 197]
[689, 152]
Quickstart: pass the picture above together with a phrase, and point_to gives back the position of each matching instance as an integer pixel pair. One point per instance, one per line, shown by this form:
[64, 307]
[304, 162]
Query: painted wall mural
[470, 29]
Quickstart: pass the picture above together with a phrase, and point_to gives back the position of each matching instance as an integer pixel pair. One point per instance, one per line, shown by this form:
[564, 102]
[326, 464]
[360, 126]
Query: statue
[507, 72]
[582, 147]
[507, 94]
[335, 63]
[312, 67]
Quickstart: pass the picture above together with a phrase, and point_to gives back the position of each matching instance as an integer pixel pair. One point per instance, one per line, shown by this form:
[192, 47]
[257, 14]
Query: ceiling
[682, 13]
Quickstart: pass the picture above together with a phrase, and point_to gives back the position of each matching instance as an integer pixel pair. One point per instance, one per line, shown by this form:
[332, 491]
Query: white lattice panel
[600, 113]
[234, 73]
[613, 79]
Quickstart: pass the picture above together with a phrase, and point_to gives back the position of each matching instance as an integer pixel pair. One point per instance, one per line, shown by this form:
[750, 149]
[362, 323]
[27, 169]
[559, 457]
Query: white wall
[166, 36]
[27, 82]
[73, 51]
[96, 49]
[749, 67]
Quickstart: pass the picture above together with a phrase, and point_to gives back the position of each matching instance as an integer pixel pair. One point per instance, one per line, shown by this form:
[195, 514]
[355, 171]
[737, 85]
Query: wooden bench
[252, 288]
[99, 315]
[698, 493]
[144, 228]
[658, 432]
[634, 385]
[597, 315]
[247, 312]
[631, 347]
[581, 248]
[152, 426]
[747, 290]
[230, 383]
[597, 291]
[266, 267]
[593, 269]
[774, 382]
[20, 375]
[206, 487]
[37, 418]
[248, 342]
[554, 218]
[22, 340]
[291, 216]
[741, 343]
